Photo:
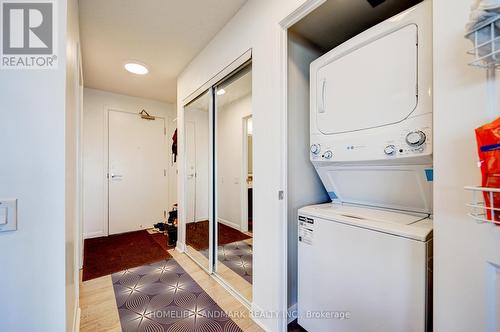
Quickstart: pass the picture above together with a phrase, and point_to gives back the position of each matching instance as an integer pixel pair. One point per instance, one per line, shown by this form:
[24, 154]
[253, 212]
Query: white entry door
[190, 171]
[138, 188]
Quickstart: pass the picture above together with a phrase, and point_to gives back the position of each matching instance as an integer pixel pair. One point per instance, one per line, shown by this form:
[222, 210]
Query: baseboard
[76, 318]
[180, 247]
[292, 313]
[93, 234]
[259, 322]
[229, 223]
[197, 220]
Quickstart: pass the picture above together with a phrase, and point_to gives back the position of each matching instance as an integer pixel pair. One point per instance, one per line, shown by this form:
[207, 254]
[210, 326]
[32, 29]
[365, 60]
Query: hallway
[100, 311]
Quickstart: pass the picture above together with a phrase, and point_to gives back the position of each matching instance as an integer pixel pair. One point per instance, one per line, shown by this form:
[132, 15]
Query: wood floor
[100, 313]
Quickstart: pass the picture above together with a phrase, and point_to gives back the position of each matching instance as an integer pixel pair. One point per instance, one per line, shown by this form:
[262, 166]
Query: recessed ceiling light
[220, 92]
[136, 68]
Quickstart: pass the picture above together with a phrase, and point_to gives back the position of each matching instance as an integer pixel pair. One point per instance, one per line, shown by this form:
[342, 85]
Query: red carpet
[114, 253]
[197, 235]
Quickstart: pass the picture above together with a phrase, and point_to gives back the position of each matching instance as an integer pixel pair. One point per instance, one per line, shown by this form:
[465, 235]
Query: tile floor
[100, 309]
[162, 297]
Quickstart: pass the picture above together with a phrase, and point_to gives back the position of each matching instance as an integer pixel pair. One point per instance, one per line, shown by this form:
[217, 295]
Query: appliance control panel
[409, 142]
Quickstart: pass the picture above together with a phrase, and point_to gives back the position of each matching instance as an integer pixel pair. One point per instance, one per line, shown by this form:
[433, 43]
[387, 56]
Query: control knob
[315, 148]
[415, 138]
[328, 154]
[390, 150]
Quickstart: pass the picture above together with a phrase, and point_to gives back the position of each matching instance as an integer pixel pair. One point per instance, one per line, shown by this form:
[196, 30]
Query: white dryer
[371, 107]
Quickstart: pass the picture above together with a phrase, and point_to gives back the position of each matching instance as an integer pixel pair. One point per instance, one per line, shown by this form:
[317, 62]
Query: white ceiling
[163, 34]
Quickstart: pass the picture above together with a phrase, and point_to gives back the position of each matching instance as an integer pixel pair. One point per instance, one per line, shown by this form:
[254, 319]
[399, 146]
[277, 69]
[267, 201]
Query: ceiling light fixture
[220, 92]
[136, 68]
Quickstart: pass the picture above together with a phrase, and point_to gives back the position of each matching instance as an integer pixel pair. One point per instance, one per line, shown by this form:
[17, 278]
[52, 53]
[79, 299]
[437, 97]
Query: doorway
[247, 174]
[137, 177]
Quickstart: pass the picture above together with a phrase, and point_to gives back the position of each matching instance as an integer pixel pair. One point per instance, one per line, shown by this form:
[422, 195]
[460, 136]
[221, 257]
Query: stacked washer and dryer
[365, 260]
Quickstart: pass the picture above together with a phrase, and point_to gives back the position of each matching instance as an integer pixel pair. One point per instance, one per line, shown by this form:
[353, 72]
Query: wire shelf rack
[486, 39]
[479, 210]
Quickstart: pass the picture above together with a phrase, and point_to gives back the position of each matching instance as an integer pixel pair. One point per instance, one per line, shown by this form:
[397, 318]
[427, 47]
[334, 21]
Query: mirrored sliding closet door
[233, 180]
[198, 189]
[219, 180]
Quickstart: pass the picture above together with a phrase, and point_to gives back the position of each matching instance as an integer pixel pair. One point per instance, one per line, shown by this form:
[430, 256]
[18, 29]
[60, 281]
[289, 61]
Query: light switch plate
[3, 216]
[8, 215]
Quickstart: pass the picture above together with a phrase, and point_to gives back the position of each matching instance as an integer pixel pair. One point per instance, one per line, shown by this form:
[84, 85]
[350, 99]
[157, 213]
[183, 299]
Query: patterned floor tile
[162, 297]
[237, 256]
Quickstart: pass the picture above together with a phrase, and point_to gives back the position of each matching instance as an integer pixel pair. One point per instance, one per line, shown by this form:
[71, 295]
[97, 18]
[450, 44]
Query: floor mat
[237, 256]
[106, 255]
[197, 235]
[162, 297]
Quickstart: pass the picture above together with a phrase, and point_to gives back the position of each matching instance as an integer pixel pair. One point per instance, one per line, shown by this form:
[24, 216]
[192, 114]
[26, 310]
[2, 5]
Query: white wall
[96, 103]
[230, 157]
[304, 186]
[33, 170]
[255, 26]
[72, 133]
[461, 247]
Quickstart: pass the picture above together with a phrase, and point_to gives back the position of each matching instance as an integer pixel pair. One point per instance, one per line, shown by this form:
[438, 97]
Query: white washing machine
[366, 254]
[364, 270]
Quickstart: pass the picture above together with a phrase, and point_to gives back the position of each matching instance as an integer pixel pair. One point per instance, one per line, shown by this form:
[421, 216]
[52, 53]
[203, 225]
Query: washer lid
[394, 187]
[369, 86]
[414, 226]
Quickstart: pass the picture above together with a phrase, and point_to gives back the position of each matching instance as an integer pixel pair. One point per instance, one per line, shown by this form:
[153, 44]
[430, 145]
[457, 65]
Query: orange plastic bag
[488, 143]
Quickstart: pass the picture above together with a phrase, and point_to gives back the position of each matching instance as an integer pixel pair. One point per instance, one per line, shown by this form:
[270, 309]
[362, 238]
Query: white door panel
[371, 86]
[190, 172]
[138, 188]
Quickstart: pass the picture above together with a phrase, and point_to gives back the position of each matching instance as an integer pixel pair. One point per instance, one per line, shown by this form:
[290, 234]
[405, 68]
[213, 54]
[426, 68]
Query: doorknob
[116, 176]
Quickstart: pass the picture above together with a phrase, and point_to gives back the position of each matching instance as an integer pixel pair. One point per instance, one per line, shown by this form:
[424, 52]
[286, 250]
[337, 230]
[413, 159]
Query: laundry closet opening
[329, 26]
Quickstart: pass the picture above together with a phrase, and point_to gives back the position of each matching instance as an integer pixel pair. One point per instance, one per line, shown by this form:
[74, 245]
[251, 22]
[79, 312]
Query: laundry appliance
[368, 254]
[364, 269]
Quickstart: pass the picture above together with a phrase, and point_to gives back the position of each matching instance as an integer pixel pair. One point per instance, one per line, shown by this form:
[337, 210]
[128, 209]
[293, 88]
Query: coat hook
[145, 115]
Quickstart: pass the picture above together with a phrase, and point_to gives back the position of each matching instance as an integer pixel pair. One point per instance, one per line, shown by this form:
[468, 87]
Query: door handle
[321, 108]
[116, 176]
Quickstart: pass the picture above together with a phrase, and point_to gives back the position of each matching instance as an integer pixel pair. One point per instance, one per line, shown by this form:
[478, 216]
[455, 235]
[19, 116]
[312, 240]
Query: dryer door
[370, 86]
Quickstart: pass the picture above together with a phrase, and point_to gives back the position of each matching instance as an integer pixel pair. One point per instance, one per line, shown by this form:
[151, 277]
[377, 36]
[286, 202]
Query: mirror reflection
[197, 140]
[234, 180]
